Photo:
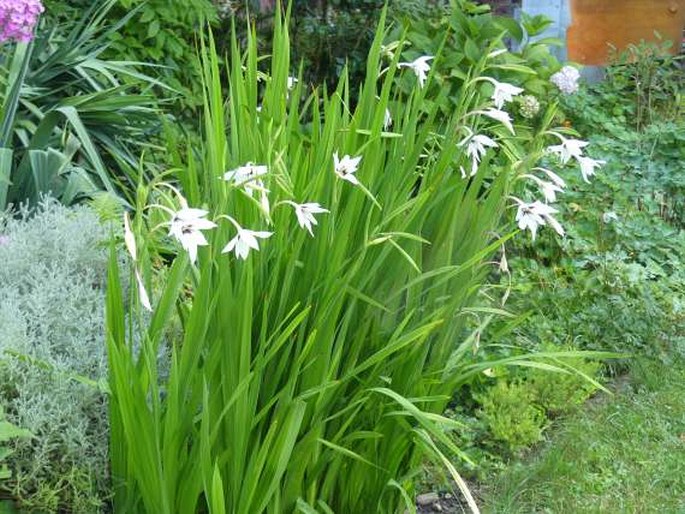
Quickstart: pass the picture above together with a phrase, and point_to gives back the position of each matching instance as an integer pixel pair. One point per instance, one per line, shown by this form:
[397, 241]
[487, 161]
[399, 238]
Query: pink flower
[18, 18]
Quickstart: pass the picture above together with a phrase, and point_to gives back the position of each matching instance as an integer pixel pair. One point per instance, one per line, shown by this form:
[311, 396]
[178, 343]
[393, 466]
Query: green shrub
[53, 357]
[512, 415]
[463, 33]
[557, 392]
[517, 407]
[163, 33]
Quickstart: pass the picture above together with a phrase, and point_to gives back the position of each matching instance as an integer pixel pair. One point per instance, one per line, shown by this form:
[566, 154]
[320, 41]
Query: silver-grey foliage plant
[52, 355]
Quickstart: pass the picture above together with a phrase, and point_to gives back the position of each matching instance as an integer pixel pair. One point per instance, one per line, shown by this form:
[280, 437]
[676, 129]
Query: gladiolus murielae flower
[549, 190]
[530, 216]
[499, 115]
[587, 167]
[503, 92]
[568, 149]
[305, 214]
[420, 67]
[187, 225]
[245, 241]
[476, 147]
[346, 168]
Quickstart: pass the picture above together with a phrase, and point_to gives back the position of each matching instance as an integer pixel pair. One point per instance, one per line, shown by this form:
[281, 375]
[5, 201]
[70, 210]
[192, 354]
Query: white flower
[587, 167]
[346, 167]
[568, 148]
[501, 116]
[566, 79]
[305, 214]
[530, 216]
[420, 67]
[503, 92]
[244, 241]
[530, 107]
[387, 120]
[610, 216]
[142, 292]
[292, 81]
[186, 226]
[476, 147]
[129, 238]
[246, 175]
[549, 189]
[552, 176]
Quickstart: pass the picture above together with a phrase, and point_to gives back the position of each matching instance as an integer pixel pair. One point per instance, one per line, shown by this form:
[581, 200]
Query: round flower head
[529, 106]
[566, 80]
[18, 18]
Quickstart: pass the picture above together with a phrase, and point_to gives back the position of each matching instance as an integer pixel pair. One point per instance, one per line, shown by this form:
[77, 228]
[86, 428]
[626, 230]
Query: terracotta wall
[597, 24]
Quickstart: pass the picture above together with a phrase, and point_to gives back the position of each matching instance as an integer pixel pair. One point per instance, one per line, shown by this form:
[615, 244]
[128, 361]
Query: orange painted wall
[596, 23]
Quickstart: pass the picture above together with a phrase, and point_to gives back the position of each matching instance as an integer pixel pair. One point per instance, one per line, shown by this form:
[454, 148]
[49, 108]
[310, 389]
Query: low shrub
[53, 361]
[511, 414]
[522, 401]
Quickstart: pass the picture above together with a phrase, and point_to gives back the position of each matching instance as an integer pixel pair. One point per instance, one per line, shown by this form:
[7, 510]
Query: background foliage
[82, 120]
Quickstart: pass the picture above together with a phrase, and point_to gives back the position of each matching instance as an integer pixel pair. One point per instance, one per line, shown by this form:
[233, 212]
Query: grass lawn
[620, 454]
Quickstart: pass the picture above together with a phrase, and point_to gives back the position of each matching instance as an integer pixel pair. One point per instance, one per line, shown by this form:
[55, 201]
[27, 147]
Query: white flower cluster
[187, 224]
[566, 79]
[477, 145]
[530, 216]
[529, 107]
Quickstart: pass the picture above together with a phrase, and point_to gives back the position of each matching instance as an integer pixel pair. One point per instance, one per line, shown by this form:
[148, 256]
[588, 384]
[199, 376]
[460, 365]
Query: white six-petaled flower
[549, 190]
[246, 175]
[346, 167]
[552, 176]
[420, 67]
[476, 147]
[501, 116]
[305, 214]
[247, 178]
[503, 92]
[587, 167]
[245, 241]
[568, 149]
[186, 226]
[530, 216]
